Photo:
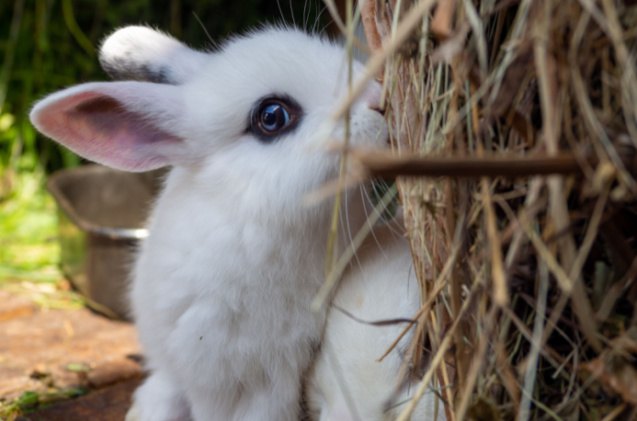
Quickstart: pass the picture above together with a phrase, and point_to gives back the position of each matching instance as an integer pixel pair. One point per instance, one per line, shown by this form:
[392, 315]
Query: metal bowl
[102, 213]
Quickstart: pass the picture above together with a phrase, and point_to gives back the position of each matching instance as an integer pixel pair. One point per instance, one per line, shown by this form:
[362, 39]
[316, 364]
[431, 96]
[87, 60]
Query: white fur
[347, 381]
[223, 284]
[142, 53]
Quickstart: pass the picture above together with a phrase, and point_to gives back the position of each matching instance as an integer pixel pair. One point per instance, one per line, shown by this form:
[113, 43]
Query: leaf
[78, 368]
[28, 399]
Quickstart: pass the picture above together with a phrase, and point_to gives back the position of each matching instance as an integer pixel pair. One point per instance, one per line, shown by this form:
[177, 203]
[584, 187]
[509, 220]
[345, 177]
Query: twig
[524, 411]
[441, 21]
[375, 64]
[426, 307]
[336, 271]
[438, 357]
[368, 18]
[386, 165]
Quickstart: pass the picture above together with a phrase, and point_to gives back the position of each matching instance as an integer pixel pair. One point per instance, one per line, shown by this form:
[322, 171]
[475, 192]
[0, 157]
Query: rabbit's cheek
[371, 96]
[369, 129]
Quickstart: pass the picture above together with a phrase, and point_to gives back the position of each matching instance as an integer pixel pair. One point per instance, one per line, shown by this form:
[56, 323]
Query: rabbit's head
[249, 116]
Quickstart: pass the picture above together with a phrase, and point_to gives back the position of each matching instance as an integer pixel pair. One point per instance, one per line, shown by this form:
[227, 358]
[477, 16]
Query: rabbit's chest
[232, 282]
[209, 306]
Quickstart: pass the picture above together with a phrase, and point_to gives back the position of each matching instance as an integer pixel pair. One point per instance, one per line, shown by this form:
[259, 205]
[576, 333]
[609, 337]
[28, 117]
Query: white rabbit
[347, 381]
[222, 286]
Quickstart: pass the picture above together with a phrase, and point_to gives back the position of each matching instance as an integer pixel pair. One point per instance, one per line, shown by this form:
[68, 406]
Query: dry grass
[524, 236]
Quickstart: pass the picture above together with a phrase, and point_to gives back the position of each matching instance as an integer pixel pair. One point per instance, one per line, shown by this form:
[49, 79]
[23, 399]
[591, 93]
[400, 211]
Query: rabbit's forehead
[307, 68]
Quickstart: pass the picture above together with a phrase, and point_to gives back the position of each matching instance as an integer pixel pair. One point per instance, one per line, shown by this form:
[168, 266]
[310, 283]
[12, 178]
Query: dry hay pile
[520, 118]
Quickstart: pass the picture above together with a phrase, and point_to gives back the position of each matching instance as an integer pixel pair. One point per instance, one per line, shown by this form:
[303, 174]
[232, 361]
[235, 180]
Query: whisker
[319, 15]
[278, 5]
[370, 200]
[292, 12]
[347, 226]
[198, 19]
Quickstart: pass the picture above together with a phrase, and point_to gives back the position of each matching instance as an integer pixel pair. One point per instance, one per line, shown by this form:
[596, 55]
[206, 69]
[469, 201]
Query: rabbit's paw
[132, 414]
[158, 400]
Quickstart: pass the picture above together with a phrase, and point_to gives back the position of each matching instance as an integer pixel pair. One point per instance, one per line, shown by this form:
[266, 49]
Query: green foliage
[28, 250]
[46, 45]
[30, 401]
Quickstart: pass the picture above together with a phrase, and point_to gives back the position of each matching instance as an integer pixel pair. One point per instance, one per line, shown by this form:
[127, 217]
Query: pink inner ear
[100, 128]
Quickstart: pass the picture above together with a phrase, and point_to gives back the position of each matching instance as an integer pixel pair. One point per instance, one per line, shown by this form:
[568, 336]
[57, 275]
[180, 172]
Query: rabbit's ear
[132, 126]
[141, 53]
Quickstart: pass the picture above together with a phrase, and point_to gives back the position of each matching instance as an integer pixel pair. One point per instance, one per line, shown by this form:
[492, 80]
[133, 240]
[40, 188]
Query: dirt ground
[64, 364]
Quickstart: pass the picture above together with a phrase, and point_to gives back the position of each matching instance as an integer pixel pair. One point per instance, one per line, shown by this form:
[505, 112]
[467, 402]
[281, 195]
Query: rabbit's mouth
[369, 129]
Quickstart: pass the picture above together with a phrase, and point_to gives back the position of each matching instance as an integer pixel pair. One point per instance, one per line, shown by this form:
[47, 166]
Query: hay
[527, 278]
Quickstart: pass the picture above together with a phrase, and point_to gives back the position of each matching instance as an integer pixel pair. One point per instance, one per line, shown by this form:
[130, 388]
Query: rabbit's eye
[272, 117]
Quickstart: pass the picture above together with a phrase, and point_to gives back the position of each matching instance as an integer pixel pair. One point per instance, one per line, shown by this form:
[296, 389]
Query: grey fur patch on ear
[144, 54]
[123, 69]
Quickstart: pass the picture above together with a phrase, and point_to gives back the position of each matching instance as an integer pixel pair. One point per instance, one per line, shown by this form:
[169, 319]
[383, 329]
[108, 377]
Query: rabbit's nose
[372, 97]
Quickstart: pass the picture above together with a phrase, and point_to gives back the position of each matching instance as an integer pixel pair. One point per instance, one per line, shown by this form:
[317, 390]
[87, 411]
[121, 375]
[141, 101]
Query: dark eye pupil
[274, 117]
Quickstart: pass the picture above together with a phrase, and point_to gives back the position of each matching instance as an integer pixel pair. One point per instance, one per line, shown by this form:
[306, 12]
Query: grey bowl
[102, 213]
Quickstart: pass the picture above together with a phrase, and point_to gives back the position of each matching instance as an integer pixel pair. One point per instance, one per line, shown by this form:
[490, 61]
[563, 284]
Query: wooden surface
[108, 404]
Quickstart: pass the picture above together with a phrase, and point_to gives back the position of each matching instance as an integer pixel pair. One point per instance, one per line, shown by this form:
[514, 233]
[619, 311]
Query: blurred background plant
[46, 45]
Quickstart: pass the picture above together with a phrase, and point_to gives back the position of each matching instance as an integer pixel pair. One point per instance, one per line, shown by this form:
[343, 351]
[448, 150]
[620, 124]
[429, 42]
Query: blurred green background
[46, 45]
